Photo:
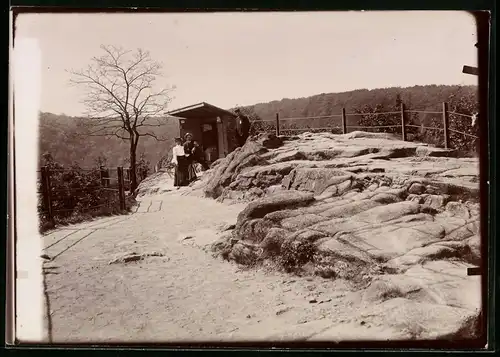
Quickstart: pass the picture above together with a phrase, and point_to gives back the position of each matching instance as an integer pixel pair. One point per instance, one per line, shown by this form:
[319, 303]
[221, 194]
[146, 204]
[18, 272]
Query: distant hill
[61, 135]
[428, 98]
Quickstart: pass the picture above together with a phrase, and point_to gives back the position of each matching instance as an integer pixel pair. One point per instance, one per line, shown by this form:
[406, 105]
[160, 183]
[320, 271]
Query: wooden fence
[404, 125]
[49, 190]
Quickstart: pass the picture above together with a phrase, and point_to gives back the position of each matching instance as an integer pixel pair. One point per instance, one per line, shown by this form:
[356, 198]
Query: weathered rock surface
[397, 220]
[267, 162]
[227, 170]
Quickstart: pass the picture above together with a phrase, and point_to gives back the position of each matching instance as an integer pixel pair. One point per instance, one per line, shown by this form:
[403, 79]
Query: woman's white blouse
[178, 150]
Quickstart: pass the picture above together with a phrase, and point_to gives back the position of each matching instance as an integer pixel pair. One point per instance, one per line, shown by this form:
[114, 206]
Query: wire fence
[444, 128]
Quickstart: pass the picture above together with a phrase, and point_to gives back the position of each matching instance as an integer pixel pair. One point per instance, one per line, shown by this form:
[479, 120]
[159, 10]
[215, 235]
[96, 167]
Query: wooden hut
[212, 127]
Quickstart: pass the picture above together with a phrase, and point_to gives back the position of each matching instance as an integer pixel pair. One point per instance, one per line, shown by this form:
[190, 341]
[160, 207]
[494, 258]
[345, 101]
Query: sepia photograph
[247, 178]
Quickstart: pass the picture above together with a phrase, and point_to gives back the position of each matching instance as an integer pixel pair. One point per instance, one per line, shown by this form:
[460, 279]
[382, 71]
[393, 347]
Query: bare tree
[121, 97]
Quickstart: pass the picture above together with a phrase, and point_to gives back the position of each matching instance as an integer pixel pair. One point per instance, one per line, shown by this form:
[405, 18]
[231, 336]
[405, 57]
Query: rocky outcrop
[382, 227]
[398, 220]
[226, 171]
[267, 164]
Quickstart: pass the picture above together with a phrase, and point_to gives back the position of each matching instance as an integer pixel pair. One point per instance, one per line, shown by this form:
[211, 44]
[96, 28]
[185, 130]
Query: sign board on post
[474, 271]
[470, 70]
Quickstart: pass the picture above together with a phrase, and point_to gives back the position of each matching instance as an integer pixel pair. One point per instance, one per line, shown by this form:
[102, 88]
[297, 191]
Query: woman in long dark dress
[180, 161]
[190, 150]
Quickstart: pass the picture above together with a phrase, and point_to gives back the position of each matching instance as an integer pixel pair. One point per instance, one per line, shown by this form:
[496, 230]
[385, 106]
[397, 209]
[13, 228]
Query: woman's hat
[188, 134]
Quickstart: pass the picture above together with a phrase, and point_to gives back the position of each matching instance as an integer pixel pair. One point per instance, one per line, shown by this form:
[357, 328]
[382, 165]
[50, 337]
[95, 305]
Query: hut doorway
[209, 142]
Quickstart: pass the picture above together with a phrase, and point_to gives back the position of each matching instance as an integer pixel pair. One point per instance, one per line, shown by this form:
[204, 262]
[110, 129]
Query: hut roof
[200, 110]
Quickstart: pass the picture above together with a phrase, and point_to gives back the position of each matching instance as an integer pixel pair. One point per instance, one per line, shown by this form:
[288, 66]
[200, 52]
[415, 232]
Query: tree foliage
[374, 119]
[428, 126]
[429, 97]
[143, 167]
[465, 103]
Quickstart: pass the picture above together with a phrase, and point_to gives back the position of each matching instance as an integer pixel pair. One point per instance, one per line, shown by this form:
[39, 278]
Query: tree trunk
[133, 165]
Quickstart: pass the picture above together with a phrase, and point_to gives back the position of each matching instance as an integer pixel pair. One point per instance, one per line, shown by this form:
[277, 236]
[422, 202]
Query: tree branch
[121, 95]
[154, 136]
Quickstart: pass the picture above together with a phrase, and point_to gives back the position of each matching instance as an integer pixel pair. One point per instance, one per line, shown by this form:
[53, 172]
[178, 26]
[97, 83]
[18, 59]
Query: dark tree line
[385, 116]
[427, 97]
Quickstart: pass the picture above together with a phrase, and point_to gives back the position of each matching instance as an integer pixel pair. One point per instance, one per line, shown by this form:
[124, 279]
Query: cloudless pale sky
[229, 59]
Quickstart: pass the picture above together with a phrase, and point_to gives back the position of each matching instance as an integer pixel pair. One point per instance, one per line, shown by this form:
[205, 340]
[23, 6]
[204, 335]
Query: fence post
[101, 171]
[47, 198]
[104, 176]
[277, 124]
[344, 122]
[126, 177]
[403, 122]
[121, 189]
[445, 125]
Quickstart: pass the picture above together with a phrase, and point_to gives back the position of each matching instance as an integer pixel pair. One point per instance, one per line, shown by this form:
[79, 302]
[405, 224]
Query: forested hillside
[428, 97]
[66, 139]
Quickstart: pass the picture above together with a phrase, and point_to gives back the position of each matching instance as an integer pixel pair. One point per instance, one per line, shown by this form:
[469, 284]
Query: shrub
[296, 253]
[372, 117]
[77, 194]
[428, 127]
[143, 165]
[467, 105]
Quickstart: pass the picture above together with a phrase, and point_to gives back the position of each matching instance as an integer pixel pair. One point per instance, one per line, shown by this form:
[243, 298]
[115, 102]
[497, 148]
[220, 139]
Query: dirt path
[186, 295]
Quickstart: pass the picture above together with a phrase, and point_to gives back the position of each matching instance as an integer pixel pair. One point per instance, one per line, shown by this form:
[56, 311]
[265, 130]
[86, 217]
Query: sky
[229, 59]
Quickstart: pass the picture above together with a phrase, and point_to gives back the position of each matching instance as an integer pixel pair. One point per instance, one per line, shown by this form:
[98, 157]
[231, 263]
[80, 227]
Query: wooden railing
[338, 122]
